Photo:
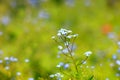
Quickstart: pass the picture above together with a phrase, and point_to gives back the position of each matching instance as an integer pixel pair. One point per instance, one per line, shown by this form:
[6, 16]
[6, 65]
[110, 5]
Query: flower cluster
[63, 65]
[58, 76]
[66, 33]
[66, 40]
[9, 62]
[66, 46]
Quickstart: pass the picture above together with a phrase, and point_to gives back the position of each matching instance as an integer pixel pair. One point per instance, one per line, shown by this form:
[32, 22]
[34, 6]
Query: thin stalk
[76, 68]
[70, 52]
[72, 44]
[83, 61]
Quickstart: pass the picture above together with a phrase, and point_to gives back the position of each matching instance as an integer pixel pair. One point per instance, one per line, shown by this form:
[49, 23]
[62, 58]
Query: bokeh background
[26, 27]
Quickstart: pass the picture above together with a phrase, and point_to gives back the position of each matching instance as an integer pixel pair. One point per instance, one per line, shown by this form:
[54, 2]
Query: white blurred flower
[111, 65]
[18, 73]
[13, 59]
[69, 36]
[7, 67]
[60, 47]
[58, 75]
[118, 62]
[64, 31]
[66, 43]
[59, 34]
[88, 53]
[1, 61]
[75, 35]
[107, 79]
[69, 31]
[92, 67]
[52, 75]
[53, 37]
[6, 58]
[58, 66]
[84, 62]
[118, 43]
[26, 60]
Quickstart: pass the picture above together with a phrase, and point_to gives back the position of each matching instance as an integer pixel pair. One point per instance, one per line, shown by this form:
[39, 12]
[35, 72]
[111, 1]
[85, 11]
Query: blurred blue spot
[114, 56]
[33, 2]
[66, 66]
[118, 50]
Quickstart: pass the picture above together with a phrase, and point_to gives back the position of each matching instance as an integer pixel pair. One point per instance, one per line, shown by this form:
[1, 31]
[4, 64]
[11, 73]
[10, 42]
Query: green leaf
[91, 77]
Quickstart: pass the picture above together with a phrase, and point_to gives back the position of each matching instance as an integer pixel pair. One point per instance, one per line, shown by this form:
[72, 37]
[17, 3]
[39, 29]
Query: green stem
[83, 61]
[76, 68]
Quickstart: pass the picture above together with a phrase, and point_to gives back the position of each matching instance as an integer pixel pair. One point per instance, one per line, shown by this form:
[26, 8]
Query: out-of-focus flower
[5, 20]
[107, 79]
[7, 67]
[60, 47]
[114, 56]
[26, 60]
[18, 73]
[64, 32]
[6, 58]
[88, 53]
[84, 62]
[1, 61]
[13, 59]
[33, 2]
[75, 35]
[53, 37]
[119, 68]
[107, 28]
[43, 15]
[92, 67]
[58, 66]
[117, 74]
[57, 75]
[70, 3]
[111, 35]
[118, 62]
[66, 66]
[65, 50]
[30, 78]
[118, 43]
[52, 76]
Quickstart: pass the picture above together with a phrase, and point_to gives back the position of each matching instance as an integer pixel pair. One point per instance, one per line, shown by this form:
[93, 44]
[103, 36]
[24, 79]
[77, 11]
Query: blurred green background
[26, 27]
